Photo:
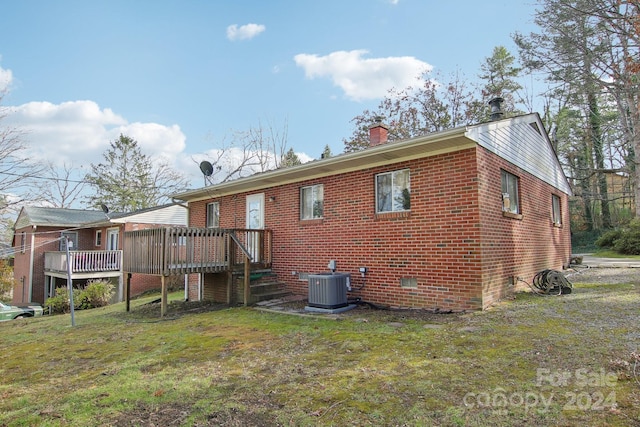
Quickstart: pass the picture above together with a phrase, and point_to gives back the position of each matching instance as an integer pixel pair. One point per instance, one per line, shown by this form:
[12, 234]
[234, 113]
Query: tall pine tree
[128, 180]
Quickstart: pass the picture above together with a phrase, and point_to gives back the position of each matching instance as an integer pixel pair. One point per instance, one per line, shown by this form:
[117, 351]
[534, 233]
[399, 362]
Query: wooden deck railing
[185, 250]
[84, 261]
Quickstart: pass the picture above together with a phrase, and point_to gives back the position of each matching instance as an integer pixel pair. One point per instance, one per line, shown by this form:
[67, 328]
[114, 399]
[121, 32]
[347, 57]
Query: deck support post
[229, 287]
[127, 292]
[163, 302]
[247, 280]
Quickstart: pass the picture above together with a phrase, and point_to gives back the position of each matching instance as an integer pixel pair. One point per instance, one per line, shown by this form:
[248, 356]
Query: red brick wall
[518, 247]
[21, 266]
[421, 244]
[46, 239]
[461, 254]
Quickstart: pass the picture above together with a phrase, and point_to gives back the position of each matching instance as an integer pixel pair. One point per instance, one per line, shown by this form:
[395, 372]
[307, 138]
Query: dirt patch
[175, 309]
[173, 414]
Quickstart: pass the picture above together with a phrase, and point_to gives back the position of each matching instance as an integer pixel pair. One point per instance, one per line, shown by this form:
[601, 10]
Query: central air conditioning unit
[328, 290]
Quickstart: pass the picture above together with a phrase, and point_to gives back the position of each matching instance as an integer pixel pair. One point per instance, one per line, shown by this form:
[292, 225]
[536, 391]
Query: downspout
[31, 254]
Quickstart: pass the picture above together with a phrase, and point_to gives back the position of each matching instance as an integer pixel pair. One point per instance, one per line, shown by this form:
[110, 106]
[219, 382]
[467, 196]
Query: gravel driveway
[603, 275]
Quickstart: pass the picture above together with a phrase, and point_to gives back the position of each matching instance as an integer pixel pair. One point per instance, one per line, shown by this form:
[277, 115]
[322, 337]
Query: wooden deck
[187, 250]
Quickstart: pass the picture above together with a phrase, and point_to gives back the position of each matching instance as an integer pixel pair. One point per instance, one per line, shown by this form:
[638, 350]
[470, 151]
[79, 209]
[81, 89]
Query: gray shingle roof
[56, 217]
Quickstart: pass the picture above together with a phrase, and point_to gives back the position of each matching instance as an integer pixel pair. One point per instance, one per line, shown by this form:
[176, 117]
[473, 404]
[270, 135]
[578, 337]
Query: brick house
[40, 248]
[449, 220]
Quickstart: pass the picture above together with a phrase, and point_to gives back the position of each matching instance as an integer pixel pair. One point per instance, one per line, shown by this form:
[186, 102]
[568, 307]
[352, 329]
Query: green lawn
[607, 253]
[544, 361]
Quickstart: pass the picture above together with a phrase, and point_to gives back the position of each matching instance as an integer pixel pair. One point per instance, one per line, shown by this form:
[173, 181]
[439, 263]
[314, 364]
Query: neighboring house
[40, 247]
[450, 220]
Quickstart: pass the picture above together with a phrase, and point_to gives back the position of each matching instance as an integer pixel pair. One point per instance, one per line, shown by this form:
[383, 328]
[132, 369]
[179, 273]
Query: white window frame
[213, 215]
[316, 210]
[98, 241]
[556, 209]
[510, 192]
[397, 202]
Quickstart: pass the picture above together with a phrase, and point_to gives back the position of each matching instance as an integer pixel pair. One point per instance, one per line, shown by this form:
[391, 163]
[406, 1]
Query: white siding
[170, 215]
[516, 141]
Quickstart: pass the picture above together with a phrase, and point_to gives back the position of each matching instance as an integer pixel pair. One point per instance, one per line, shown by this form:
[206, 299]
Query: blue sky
[181, 76]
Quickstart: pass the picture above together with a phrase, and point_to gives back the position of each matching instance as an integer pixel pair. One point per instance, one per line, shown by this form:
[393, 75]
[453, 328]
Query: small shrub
[97, 293]
[60, 302]
[7, 281]
[624, 240]
[629, 242]
[609, 238]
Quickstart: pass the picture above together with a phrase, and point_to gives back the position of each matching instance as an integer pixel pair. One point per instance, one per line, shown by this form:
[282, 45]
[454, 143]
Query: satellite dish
[206, 168]
[105, 209]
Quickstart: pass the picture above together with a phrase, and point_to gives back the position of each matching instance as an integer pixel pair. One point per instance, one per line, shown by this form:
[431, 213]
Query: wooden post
[229, 286]
[127, 292]
[163, 302]
[247, 280]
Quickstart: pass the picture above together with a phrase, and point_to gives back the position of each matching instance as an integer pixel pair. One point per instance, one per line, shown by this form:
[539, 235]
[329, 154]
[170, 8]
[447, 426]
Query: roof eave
[393, 152]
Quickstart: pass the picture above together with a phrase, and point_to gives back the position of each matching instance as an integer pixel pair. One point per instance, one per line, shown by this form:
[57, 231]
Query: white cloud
[79, 132]
[363, 78]
[6, 77]
[244, 32]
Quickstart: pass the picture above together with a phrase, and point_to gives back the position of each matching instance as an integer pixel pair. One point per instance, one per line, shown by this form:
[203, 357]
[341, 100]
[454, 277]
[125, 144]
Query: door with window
[255, 221]
[112, 239]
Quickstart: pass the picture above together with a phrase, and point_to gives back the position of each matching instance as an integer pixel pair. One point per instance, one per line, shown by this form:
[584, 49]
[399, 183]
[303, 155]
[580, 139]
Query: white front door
[255, 211]
[255, 221]
[112, 239]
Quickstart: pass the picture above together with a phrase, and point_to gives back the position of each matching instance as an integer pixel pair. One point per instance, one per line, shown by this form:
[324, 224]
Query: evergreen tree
[576, 48]
[499, 74]
[326, 153]
[290, 159]
[129, 180]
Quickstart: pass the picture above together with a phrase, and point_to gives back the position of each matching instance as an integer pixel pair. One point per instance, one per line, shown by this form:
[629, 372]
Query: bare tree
[257, 149]
[429, 106]
[18, 173]
[60, 190]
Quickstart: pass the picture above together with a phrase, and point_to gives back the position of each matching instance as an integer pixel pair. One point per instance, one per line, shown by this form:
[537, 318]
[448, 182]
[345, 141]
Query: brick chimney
[378, 132]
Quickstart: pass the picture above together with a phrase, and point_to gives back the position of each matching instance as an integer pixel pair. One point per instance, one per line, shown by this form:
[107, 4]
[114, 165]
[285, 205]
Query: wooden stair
[264, 286]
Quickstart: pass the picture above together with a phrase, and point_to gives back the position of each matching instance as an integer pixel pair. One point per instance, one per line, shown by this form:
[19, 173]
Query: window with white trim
[555, 209]
[98, 237]
[393, 191]
[312, 202]
[510, 199]
[213, 215]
